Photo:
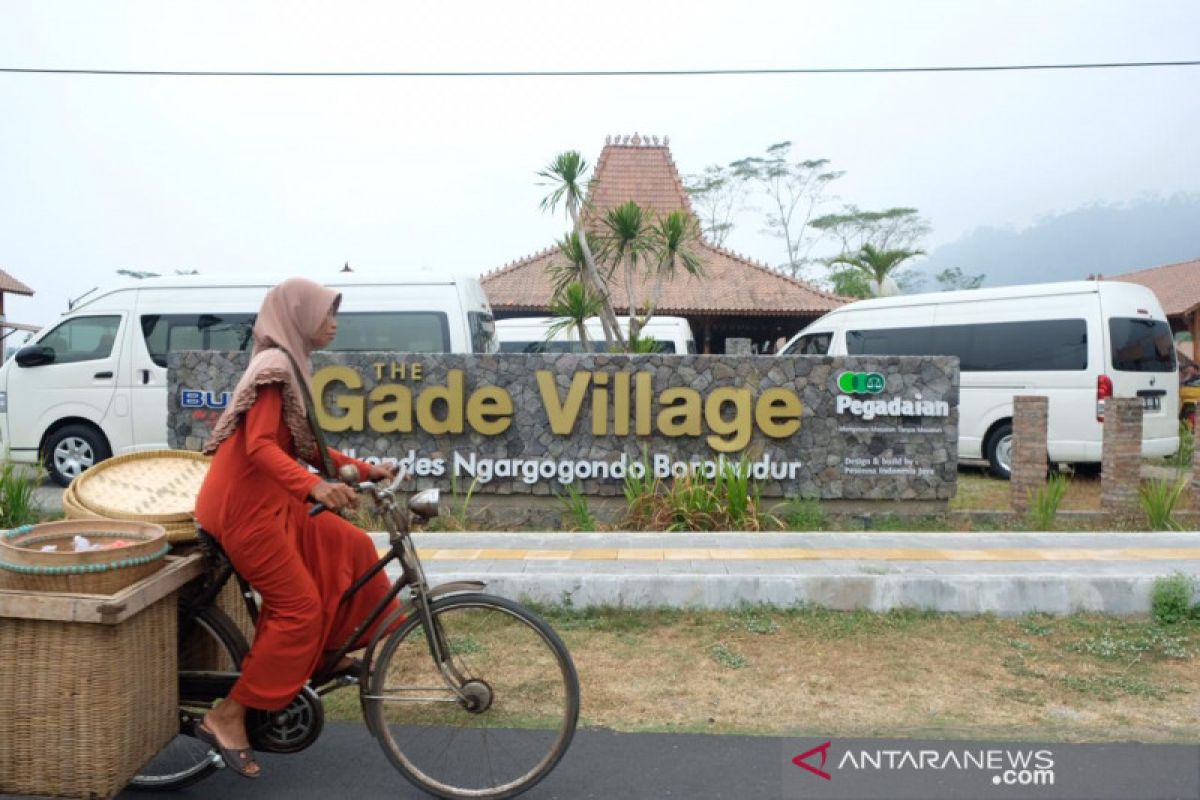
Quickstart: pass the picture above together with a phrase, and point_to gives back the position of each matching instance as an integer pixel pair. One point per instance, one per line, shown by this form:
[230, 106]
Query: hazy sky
[303, 174]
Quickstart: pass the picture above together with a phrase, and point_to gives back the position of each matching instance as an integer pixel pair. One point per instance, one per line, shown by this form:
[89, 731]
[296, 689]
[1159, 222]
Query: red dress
[253, 502]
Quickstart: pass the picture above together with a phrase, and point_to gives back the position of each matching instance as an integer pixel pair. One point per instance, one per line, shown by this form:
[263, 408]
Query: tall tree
[795, 189]
[565, 174]
[718, 194]
[896, 228]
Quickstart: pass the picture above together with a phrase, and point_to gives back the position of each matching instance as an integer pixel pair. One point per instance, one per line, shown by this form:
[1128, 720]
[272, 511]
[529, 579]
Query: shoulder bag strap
[326, 464]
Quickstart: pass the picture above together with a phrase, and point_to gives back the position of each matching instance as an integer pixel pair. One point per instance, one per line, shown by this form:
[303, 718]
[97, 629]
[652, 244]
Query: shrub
[1171, 599]
[728, 501]
[1182, 459]
[1158, 499]
[17, 504]
[576, 510]
[1044, 503]
[802, 514]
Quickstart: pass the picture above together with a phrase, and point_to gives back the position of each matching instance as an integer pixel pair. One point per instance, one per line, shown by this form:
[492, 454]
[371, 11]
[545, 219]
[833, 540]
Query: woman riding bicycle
[254, 501]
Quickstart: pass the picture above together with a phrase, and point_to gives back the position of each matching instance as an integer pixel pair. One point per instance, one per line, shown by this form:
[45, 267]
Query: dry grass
[1080, 678]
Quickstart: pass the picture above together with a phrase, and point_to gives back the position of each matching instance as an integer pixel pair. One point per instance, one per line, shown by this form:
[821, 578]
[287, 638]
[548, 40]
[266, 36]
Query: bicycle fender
[454, 587]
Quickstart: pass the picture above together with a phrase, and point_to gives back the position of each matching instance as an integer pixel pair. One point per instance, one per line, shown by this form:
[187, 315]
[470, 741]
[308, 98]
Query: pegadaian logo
[861, 382]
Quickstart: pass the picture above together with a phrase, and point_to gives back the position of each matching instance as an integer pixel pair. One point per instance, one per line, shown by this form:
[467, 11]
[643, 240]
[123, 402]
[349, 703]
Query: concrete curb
[1057, 575]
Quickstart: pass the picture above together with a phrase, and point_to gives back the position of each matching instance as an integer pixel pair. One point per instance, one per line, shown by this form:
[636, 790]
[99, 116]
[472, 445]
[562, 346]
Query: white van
[94, 384]
[530, 335]
[1076, 343]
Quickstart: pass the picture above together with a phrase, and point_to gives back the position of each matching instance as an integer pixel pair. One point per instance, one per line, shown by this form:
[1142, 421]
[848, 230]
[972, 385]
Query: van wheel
[999, 451]
[71, 449]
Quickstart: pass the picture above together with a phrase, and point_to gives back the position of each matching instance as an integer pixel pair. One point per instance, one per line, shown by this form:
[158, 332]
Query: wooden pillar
[706, 336]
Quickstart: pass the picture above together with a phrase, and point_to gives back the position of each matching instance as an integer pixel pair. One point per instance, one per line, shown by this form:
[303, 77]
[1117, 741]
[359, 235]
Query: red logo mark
[823, 749]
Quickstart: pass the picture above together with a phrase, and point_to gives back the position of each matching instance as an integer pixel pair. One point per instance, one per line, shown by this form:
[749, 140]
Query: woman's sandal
[236, 760]
[352, 670]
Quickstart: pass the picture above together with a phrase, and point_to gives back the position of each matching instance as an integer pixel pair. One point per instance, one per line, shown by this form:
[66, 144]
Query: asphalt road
[347, 762]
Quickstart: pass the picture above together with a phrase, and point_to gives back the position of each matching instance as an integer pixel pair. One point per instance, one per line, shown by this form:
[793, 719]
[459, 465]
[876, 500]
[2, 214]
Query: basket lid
[152, 486]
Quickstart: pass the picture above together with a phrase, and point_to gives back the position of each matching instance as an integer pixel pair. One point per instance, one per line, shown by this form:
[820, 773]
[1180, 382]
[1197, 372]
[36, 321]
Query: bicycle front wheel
[509, 718]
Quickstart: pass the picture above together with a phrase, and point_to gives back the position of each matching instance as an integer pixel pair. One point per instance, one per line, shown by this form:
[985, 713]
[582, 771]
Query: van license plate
[1151, 403]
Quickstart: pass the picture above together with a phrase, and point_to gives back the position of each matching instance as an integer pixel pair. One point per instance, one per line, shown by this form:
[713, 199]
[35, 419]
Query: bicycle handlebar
[349, 476]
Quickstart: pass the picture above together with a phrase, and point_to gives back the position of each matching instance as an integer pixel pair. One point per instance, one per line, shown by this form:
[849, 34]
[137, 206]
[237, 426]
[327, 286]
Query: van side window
[392, 332]
[1031, 346]
[1141, 345]
[483, 332]
[810, 344]
[176, 333]
[82, 339]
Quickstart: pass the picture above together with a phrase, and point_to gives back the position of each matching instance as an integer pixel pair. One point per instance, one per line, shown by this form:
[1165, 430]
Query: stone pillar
[1121, 458]
[1028, 448]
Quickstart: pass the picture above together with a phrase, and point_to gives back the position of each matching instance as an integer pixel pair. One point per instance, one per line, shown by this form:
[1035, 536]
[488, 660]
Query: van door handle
[102, 375]
[145, 376]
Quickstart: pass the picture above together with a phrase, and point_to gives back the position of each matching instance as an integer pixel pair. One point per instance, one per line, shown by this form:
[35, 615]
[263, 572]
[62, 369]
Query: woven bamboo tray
[95, 571]
[89, 692]
[152, 486]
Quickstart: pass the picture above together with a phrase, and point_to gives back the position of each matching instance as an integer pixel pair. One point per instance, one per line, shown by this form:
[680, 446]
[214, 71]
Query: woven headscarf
[290, 319]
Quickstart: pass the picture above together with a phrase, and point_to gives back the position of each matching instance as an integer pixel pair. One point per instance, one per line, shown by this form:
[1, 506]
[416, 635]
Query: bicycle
[485, 707]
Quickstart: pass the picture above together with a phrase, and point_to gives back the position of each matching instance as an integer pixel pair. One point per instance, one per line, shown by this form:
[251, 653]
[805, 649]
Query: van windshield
[1141, 345]
[810, 344]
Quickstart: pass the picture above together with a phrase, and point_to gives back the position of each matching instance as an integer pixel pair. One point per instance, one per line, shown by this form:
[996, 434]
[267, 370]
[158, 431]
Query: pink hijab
[290, 319]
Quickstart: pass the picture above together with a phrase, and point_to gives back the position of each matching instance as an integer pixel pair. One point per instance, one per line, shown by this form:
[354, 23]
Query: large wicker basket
[25, 565]
[89, 684]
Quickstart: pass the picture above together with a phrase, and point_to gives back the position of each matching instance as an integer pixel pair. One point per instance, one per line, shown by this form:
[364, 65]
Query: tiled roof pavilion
[10, 285]
[735, 296]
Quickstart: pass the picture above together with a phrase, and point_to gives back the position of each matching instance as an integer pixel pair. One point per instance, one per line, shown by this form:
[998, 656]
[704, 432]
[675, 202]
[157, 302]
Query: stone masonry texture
[1029, 448]
[831, 456]
[1121, 457]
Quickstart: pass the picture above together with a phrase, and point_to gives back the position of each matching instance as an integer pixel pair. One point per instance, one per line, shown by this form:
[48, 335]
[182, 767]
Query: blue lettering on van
[195, 398]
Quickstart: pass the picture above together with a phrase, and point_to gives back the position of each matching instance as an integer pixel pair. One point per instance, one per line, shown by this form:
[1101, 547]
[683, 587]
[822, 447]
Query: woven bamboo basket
[90, 686]
[73, 509]
[153, 486]
[105, 571]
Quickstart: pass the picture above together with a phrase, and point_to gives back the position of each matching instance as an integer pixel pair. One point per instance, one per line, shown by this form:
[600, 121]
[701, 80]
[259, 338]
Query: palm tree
[573, 305]
[671, 240]
[628, 244]
[878, 264]
[565, 174]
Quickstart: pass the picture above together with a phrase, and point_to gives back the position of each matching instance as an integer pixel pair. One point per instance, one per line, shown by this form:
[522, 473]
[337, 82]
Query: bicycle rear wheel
[212, 644]
[513, 720]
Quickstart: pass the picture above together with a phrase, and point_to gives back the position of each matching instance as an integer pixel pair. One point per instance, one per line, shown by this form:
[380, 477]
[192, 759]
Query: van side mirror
[35, 355]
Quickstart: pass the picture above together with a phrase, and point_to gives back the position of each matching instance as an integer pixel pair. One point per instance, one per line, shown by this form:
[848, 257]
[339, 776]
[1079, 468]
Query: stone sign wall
[868, 427]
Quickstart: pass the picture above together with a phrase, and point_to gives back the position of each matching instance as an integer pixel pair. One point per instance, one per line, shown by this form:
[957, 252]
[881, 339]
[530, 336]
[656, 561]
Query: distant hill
[1105, 239]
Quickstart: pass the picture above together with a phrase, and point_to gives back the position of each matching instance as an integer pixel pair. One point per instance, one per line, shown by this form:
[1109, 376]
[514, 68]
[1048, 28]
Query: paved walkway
[1001, 573]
